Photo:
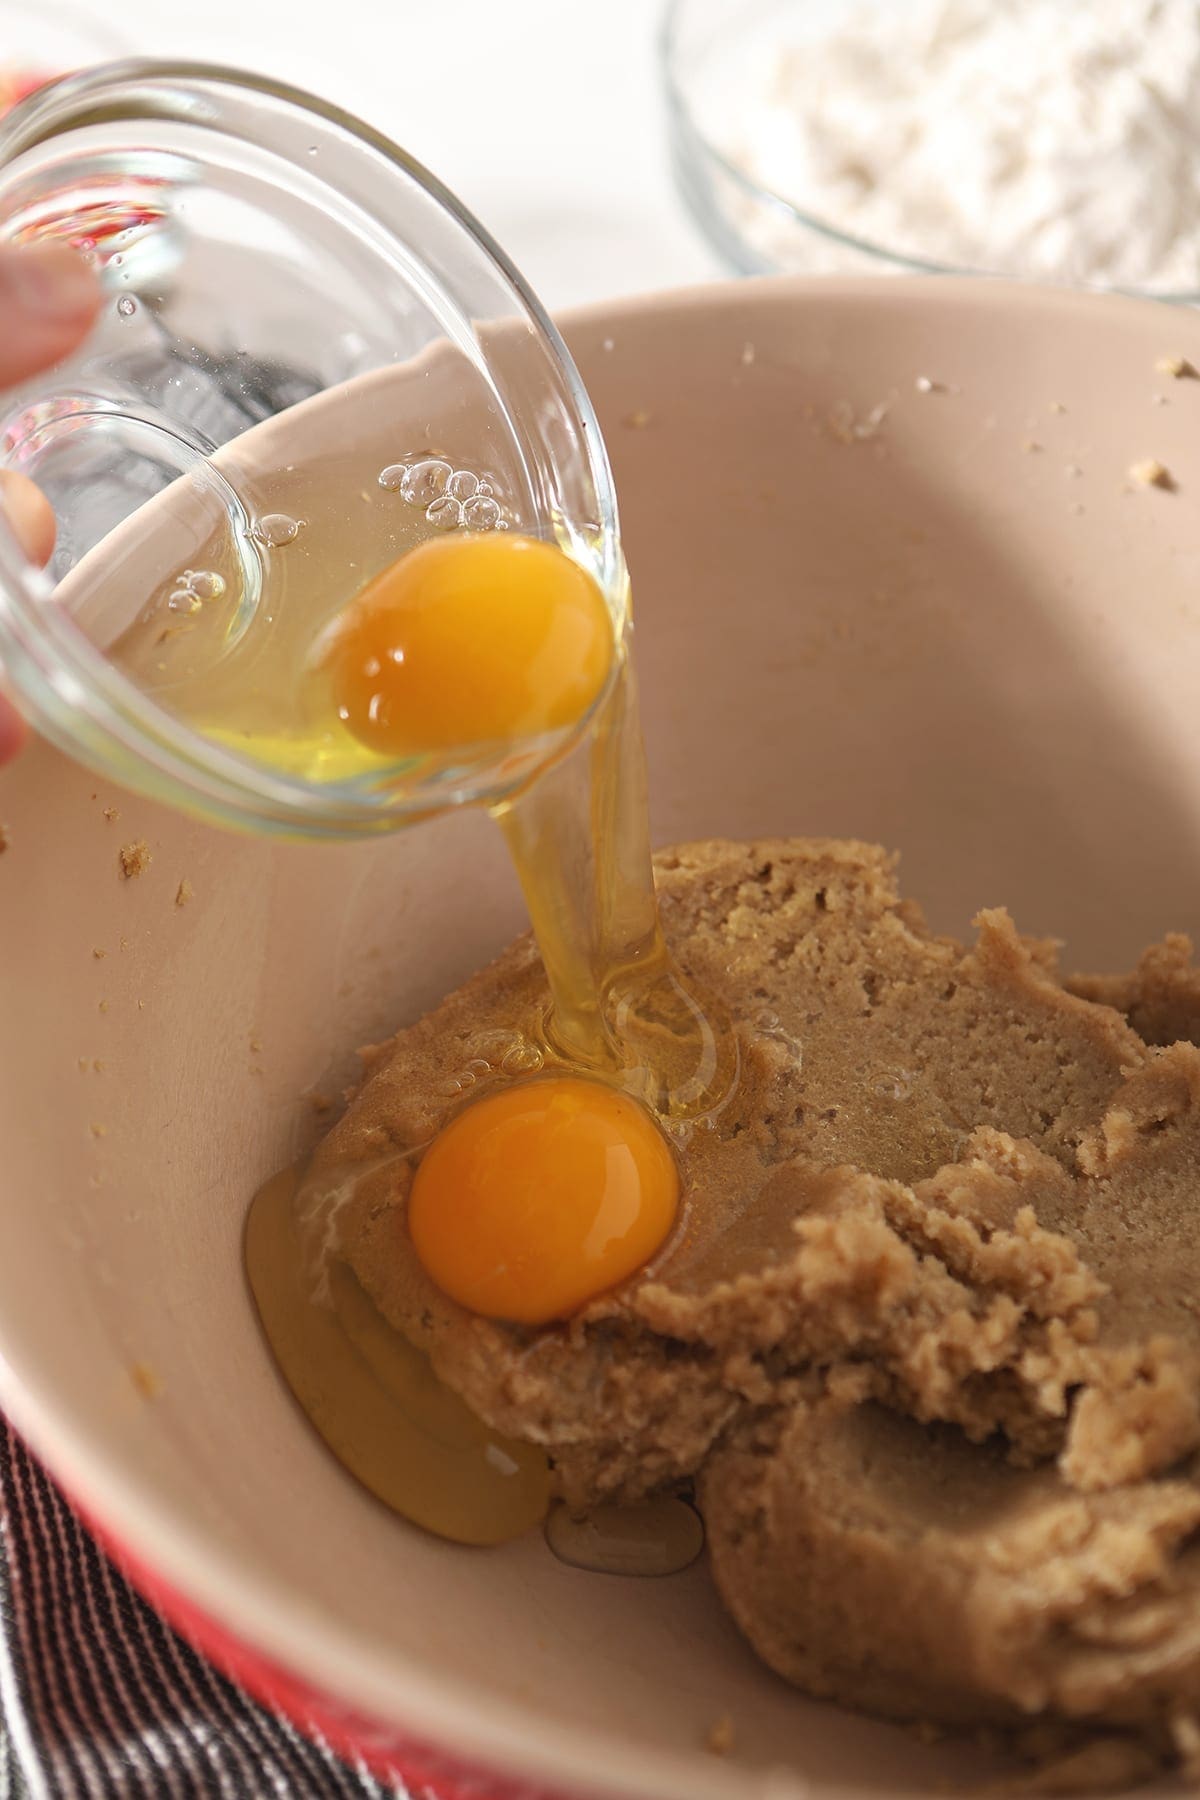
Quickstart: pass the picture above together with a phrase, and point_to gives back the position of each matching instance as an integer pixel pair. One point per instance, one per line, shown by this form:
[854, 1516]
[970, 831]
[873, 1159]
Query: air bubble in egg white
[506, 1053]
[193, 588]
[463, 485]
[445, 514]
[126, 306]
[426, 481]
[276, 529]
[449, 497]
[521, 1058]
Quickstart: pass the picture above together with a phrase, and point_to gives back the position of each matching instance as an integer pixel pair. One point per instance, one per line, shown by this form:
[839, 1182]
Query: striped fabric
[99, 1700]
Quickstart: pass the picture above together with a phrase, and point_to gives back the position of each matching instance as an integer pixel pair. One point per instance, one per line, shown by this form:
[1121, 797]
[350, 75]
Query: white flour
[1049, 138]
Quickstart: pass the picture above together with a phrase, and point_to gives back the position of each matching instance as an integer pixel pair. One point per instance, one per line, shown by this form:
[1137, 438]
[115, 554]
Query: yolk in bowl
[469, 639]
[539, 1197]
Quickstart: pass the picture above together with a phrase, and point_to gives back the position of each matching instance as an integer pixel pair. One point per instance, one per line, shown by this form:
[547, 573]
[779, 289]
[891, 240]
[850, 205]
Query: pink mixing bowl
[893, 579]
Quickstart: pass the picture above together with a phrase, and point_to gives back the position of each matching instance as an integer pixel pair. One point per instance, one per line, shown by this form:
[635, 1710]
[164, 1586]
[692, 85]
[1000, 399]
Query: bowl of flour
[1039, 139]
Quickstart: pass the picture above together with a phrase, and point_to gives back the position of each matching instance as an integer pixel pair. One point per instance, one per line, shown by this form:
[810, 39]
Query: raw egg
[469, 639]
[539, 1197]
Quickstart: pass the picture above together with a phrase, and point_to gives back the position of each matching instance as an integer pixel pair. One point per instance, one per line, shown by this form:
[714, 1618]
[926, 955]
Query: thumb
[48, 299]
[28, 513]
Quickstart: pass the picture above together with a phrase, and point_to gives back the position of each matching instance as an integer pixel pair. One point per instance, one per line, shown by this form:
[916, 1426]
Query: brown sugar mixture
[927, 1338]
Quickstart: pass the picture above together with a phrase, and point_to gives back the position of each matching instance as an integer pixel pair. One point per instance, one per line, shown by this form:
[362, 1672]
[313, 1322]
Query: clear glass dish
[307, 350]
[718, 61]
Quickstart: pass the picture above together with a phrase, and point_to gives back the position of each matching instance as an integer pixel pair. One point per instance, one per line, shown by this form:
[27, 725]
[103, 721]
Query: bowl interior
[892, 579]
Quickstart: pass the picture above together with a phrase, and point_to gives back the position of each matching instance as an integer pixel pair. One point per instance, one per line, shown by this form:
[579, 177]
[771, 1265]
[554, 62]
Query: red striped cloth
[100, 1700]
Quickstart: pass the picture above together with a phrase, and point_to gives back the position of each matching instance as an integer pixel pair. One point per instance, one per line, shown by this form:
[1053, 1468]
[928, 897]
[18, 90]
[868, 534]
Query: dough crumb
[111, 813]
[1031, 447]
[849, 429]
[146, 1380]
[320, 1103]
[98, 1131]
[721, 1736]
[1179, 367]
[184, 892]
[134, 858]
[99, 954]
[636, 421]
[1152, 473]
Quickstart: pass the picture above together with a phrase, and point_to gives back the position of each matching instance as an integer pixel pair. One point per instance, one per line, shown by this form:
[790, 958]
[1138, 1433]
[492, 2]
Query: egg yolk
[469, 639]
[539, 1197]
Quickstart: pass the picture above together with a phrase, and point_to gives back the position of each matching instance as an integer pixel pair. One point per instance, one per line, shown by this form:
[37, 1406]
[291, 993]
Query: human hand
[48, 300]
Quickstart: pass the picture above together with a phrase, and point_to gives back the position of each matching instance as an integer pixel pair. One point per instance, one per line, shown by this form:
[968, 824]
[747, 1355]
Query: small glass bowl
[713, 56]
[286, 292]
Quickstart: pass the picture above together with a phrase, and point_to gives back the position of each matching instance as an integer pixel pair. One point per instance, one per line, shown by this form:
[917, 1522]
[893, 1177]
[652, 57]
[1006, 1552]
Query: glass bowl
[720, 61]
[309, 356]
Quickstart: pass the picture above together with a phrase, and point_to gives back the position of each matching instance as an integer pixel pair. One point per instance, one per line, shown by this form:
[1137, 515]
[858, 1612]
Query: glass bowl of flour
[1041, 139]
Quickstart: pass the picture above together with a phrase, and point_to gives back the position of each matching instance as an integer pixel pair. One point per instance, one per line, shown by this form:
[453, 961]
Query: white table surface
[545, 116]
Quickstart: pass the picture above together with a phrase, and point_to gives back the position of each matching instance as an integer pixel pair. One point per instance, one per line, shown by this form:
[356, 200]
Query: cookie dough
[925, 1338]
[898, 1567]
[1160, 998]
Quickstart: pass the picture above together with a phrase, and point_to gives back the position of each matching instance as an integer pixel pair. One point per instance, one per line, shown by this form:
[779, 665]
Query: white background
[545, 116]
